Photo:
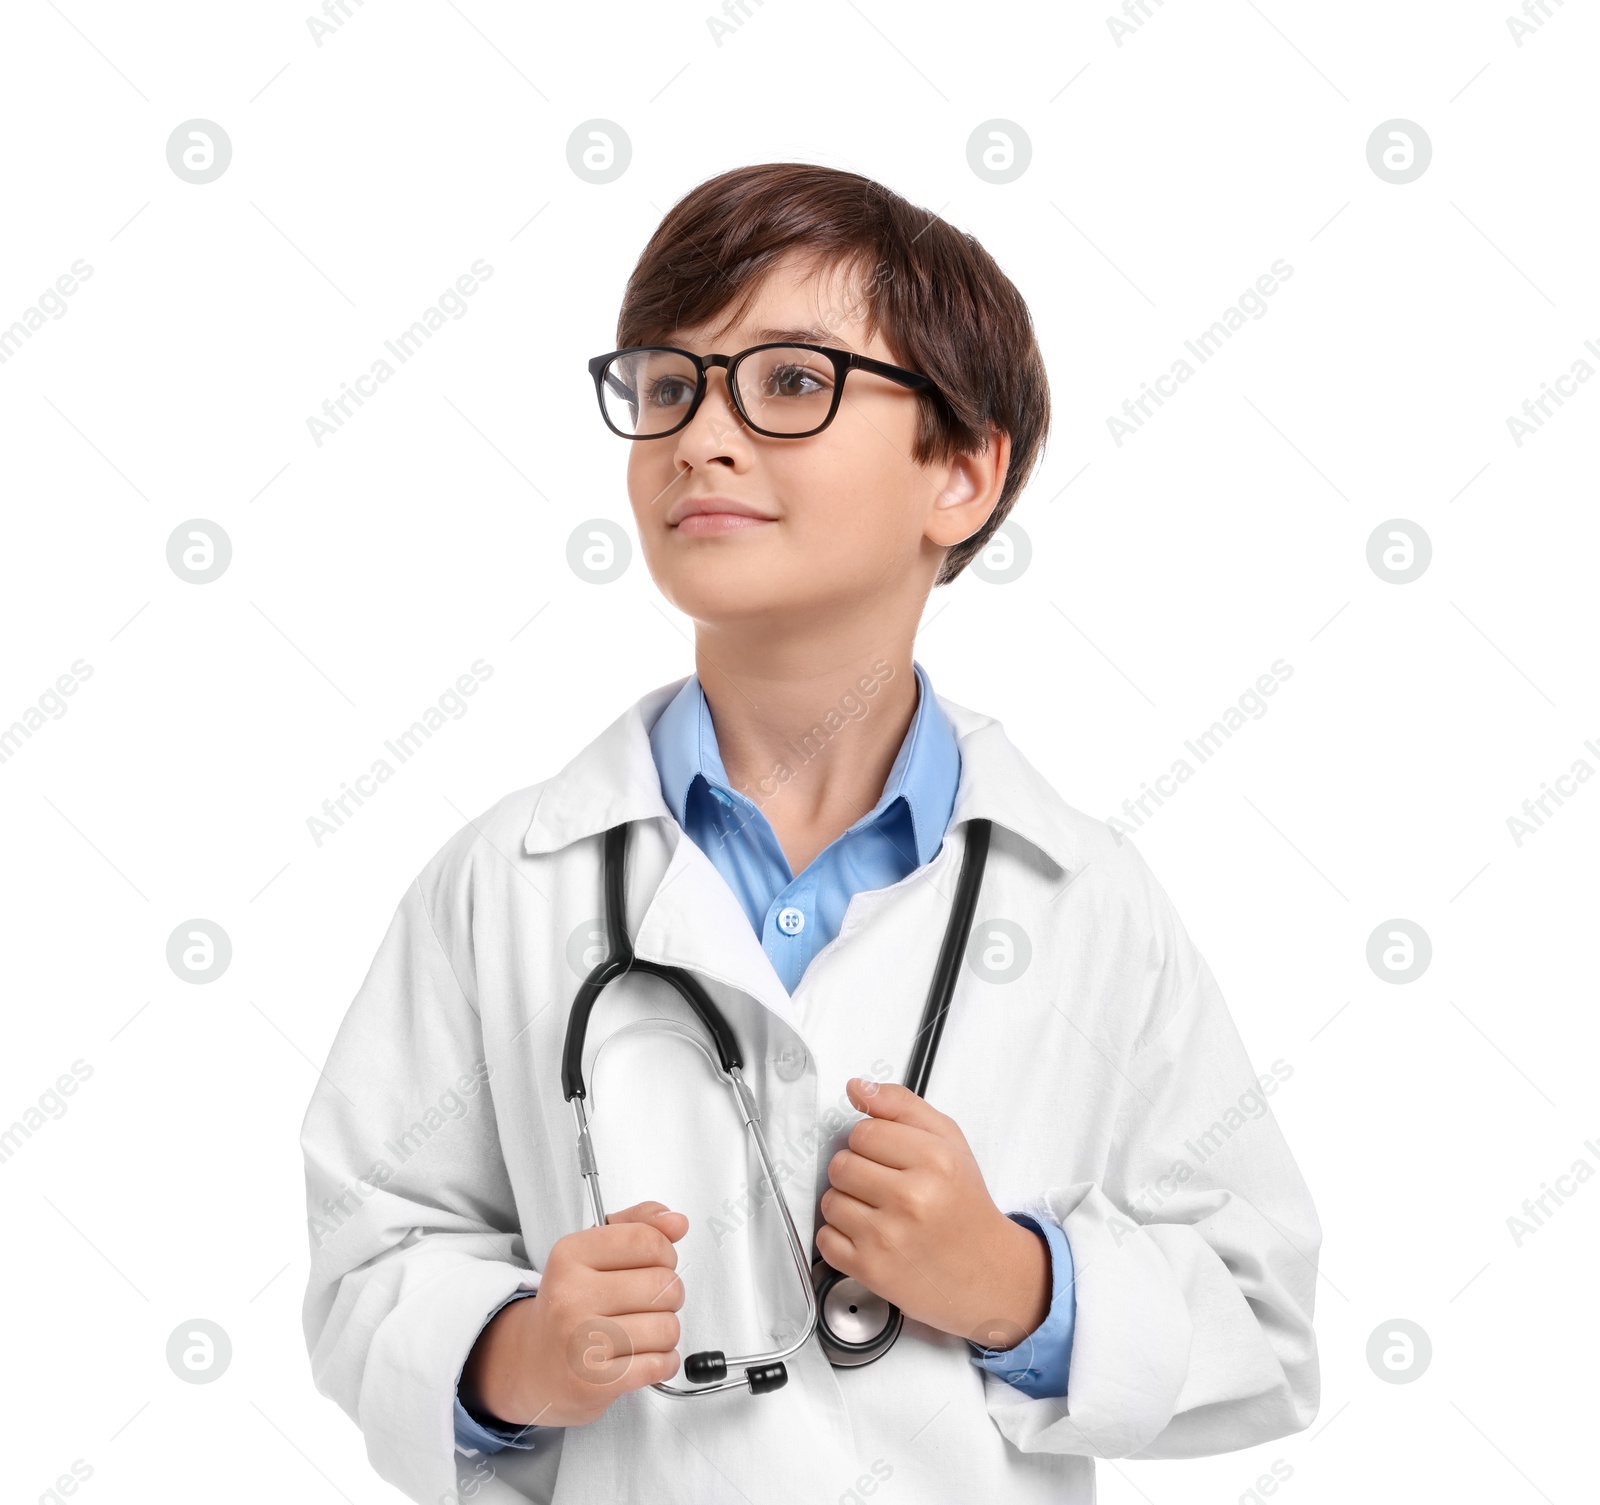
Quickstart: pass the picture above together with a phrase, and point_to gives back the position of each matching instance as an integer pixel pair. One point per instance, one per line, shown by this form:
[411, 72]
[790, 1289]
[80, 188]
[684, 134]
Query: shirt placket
[789, 932]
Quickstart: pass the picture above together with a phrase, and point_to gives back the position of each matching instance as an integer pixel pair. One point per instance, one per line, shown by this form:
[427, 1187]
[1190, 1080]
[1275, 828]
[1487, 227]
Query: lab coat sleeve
[413, 1227]
[1195, 1260]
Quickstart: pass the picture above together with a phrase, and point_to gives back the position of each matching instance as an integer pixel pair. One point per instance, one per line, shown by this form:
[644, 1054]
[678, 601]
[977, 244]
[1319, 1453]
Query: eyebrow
[812, 336]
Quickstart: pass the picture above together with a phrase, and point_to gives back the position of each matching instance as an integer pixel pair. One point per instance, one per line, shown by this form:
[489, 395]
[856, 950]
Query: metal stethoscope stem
[854, 1325]
[763, 1371]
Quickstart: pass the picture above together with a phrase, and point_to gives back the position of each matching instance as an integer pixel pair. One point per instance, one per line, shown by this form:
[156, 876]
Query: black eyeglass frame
[844, 361]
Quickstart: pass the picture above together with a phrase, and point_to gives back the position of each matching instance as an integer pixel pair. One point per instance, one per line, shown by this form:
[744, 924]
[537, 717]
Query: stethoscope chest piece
[854, 1325]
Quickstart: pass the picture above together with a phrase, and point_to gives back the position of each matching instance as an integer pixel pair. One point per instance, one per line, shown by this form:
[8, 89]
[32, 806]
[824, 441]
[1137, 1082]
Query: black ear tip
[702, 1368]
[766, 1377]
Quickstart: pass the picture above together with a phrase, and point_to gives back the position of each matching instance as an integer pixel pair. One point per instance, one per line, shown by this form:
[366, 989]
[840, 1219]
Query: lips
[715, 514]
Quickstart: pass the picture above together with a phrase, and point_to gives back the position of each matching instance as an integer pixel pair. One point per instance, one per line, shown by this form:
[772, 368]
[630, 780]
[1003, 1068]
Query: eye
[668, 391]
[791, 380]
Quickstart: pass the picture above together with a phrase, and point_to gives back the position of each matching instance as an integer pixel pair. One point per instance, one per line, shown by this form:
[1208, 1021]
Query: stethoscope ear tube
[620, 959]
[854, 1324]
[763, 1372]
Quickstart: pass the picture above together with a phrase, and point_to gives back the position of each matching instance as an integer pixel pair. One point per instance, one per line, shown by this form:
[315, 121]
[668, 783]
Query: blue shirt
[796, 915]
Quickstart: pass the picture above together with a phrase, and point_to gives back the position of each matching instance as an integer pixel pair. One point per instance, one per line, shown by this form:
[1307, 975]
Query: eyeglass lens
[785, 389]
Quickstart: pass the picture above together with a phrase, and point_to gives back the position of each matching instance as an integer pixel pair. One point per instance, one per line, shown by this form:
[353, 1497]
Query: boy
[1095, 1233]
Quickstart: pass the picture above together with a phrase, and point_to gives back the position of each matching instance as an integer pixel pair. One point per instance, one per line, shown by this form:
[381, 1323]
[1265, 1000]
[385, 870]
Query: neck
[808, 733]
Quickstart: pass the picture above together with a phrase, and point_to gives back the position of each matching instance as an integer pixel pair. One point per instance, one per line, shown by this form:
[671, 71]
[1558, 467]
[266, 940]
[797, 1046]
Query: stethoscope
[854, 1325]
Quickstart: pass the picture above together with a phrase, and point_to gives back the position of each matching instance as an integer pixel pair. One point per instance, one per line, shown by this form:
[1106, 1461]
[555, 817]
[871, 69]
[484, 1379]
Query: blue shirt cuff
[1038, 1365]
[472, 1436]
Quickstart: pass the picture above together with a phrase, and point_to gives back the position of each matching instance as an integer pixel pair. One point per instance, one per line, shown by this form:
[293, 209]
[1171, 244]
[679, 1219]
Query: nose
[715, 424]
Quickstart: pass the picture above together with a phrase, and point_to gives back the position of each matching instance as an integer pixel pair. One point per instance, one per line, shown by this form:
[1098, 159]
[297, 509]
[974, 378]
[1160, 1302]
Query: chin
[721, 595]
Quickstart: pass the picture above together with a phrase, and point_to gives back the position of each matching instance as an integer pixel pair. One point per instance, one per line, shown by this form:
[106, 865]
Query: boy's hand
[604, 1323]
[907, 1214]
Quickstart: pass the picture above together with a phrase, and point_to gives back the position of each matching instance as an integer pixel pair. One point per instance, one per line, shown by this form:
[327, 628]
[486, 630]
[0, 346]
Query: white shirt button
[789, 1063]
[791, 921]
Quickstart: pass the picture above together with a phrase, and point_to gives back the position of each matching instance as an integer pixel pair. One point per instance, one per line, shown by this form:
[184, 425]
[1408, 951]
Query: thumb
[673, 1224]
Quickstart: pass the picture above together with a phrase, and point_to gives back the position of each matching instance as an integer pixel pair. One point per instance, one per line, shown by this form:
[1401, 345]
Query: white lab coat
[1105, 1086]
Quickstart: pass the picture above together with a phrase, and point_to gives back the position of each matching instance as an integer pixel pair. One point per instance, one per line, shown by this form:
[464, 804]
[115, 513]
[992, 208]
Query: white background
[1167, 573]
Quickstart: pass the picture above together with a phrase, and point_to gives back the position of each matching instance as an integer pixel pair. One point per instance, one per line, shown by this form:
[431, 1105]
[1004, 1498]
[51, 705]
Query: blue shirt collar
[925, 771]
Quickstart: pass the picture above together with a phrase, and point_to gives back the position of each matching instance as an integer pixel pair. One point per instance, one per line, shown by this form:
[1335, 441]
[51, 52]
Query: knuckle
[914, 1202]
[556, 1296]
[669, 1297]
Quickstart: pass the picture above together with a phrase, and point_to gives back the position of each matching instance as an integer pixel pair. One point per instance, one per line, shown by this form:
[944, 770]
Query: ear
[968, 491]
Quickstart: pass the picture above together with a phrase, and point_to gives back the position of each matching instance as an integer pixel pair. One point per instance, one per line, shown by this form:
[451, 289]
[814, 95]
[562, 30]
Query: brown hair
[943, 304]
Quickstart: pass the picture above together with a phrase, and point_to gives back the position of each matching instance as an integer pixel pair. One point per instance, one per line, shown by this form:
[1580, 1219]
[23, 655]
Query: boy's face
[841, 518]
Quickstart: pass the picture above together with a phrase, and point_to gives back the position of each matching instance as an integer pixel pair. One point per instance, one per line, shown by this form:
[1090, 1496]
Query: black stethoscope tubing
[825, 1288]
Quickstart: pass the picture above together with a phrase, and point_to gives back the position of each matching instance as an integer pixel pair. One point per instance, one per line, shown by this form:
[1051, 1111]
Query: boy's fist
[604, 1323]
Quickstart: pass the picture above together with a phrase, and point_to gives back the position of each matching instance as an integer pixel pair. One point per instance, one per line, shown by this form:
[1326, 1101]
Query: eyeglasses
[782, 391]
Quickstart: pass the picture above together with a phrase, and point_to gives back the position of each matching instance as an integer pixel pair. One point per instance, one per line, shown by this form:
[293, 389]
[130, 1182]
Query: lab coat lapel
[692, 919]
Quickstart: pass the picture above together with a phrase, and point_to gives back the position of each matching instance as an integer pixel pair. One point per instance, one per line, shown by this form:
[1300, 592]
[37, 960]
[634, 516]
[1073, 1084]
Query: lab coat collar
[615, 779]
[612, 780]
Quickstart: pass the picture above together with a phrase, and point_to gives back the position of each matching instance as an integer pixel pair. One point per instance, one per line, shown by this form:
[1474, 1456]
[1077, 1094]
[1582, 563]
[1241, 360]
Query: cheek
[854, 506]
[650, 478]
